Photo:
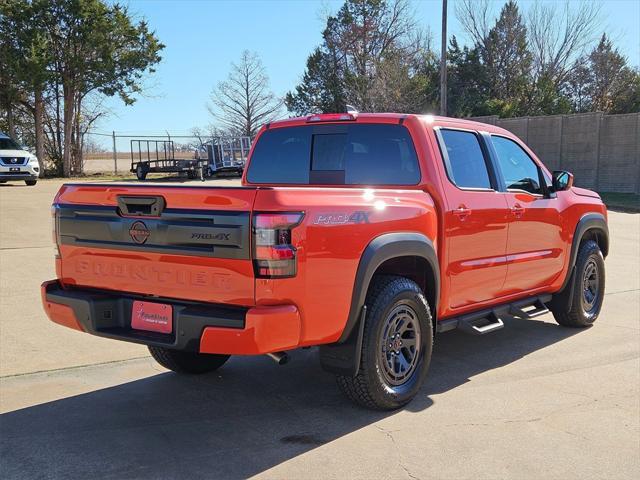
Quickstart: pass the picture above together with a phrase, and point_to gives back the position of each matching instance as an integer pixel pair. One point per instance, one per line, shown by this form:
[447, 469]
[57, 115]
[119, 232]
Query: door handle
[462, 212]
[517, 210]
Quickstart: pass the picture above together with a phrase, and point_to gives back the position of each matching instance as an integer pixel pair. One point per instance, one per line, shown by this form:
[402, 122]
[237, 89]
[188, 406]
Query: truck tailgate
[188, 243]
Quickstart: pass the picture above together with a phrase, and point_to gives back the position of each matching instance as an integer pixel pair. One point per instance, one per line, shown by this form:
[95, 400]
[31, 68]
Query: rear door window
[464, 160]
[366, 154]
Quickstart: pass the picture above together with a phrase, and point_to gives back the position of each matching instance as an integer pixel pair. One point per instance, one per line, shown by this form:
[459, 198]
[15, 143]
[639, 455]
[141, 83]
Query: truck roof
[435, 120]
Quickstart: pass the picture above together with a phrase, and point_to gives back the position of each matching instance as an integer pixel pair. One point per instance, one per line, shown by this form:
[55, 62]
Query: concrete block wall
[619, 168]
[602, 151]
[545, 139]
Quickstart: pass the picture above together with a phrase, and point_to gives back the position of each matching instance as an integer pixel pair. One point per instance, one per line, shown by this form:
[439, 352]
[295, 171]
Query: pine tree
[508, 61]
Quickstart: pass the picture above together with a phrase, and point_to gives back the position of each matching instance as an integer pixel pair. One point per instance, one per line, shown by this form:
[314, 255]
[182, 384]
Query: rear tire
[588, 289]
[187, 362]
[396, 348]
[31, 183]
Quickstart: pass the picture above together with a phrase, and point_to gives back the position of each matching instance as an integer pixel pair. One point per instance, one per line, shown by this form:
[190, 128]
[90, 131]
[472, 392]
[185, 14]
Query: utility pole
[443, 62]
[115, 153]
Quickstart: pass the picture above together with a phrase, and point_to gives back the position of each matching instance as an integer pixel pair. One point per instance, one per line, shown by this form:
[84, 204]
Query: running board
[481, 325]
[489, 320]
[528, 312]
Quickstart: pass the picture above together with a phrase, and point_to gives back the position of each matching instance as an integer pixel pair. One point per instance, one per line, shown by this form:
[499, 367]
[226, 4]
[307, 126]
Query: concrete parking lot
[532, 400]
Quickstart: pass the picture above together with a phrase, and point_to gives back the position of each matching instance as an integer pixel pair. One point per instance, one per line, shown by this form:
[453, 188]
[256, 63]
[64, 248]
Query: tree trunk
[58, 126]
[10, 123]
[38, 114]
[77, 136]
[68, 129]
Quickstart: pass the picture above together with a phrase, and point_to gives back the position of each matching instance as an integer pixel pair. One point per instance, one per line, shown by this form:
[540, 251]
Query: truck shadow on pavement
[246, 418]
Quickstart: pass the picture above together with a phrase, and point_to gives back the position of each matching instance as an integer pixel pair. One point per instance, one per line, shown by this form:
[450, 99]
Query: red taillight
[274, 255]
[331, 117]
[54, 229]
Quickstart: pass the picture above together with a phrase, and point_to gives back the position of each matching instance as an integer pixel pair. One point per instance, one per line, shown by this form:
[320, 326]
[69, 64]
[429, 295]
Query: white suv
[16, 163]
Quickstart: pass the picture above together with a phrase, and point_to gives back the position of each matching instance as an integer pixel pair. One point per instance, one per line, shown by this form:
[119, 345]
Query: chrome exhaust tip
[281, 358]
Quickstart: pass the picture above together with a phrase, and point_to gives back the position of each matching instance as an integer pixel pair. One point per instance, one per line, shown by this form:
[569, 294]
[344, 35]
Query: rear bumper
[200, 327]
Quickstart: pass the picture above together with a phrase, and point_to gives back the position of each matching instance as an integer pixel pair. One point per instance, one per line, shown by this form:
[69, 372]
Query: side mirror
[562, 180]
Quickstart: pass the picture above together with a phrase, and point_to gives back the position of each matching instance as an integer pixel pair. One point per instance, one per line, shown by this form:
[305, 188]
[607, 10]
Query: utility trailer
[159, 156]
[225, 155]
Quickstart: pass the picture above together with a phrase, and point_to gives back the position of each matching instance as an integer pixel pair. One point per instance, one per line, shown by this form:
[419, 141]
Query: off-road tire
[577, 315]
[187, 362]
[370, 388]
[31, 183]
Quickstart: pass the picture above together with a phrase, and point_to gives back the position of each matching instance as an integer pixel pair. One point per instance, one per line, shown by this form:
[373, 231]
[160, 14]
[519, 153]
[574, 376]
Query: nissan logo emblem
[139, 232]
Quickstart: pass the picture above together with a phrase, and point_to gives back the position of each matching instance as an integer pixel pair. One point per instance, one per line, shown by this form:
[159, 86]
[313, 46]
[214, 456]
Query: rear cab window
[334, 154]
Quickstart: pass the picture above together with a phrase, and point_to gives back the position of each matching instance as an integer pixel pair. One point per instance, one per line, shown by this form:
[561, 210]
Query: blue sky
[203, 37]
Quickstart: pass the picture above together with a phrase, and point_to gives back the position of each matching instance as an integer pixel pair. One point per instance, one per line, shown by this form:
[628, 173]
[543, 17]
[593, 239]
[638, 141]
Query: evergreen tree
[467, 85]
[69, 50]
[508, 61]
[320, 89]
[611, 81]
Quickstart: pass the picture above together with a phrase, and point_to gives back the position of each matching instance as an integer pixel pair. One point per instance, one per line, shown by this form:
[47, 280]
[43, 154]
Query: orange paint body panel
[194, 278]
[267, 329]
[329, 251]
[57, 313]
[204, 279]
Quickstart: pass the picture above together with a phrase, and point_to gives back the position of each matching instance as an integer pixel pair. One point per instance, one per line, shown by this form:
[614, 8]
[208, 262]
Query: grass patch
[621, 201]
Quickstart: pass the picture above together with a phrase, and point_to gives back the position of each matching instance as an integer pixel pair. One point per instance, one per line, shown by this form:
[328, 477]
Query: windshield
[8, 144]
[366, 154]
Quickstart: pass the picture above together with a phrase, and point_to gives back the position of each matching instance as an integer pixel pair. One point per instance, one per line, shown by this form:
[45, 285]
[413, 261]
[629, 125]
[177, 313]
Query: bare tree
[476, 17]
[244, 102]
[558, 35]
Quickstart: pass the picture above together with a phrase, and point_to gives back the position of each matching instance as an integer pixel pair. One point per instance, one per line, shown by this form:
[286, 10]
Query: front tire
[582, 308]
[30, 183]
[187, 362]
[396, 348]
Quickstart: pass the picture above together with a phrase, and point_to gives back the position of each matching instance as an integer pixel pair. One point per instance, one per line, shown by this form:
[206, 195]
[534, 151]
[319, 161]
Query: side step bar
[490, 320]
[528, 312]
[482, 325]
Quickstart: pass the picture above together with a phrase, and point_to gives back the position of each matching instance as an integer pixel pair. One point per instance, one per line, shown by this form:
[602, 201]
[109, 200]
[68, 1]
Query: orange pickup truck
[364, 234]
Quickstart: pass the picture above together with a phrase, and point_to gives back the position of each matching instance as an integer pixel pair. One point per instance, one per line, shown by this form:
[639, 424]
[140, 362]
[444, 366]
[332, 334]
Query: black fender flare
[589, 221]
[343, 357]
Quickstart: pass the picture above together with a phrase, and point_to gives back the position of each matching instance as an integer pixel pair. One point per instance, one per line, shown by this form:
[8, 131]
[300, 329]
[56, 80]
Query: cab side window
[519, 171]
[464, 159]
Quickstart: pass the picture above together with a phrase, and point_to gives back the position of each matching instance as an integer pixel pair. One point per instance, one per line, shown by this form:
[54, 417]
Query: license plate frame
[152, 317]
[14, 169]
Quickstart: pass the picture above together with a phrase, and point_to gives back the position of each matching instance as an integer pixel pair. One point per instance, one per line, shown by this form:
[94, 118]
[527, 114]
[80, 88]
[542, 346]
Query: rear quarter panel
[338, 225]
